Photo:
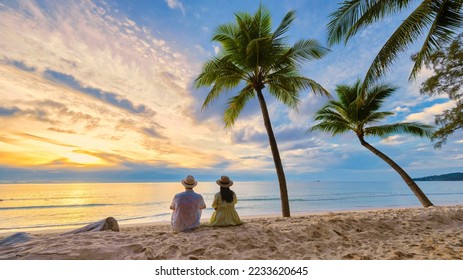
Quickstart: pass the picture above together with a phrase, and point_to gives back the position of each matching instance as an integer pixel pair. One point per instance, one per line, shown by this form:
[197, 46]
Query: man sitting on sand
[187, 207]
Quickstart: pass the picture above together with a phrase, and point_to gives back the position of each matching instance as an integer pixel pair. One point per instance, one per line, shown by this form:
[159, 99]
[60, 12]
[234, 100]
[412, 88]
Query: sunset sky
[103, 91]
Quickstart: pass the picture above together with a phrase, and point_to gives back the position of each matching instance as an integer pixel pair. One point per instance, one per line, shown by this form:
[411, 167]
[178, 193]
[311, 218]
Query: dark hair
[226, 194]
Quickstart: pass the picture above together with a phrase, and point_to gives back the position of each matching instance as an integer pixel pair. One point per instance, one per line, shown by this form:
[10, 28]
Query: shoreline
[204, 221]
[382, 234]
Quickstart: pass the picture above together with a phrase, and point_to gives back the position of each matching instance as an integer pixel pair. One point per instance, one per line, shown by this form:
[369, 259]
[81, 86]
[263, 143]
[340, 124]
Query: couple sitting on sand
[187, 206]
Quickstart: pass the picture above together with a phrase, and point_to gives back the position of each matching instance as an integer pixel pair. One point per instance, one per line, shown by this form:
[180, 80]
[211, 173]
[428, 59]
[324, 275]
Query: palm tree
[437, 20]
[356, 109]
[254, 58]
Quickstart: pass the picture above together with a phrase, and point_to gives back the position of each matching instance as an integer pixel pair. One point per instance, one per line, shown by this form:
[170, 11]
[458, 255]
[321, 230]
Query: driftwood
[106, 224]
[18, 237]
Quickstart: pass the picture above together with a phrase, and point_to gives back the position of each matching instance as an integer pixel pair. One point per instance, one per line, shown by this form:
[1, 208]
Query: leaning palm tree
[356, 109]
[438, 21]
[254, 58]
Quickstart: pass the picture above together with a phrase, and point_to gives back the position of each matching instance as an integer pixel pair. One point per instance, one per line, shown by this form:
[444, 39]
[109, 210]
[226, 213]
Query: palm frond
[412, 128]
[335, 106]
[331, 114]
[253, 56]
[286, 94]
[307, 50]
[348, 94]
[333, 128]
[219, 70]
[226, 34]
[284, 26]
[374, 98]
[236, 104]
[374, 117]
[293, 82]
[354, 15]
[356, 112]
[407, 33]
[220, 73]
[257, 52]
[376, 11]
[447, 20]
[262, 22]
[342, 20]
[315, 87]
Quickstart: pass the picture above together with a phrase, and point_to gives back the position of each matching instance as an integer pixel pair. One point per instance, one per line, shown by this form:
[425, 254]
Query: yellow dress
[225, 213]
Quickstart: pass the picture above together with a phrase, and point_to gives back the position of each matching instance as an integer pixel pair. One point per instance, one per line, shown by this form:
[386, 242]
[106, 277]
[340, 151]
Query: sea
[33, 207]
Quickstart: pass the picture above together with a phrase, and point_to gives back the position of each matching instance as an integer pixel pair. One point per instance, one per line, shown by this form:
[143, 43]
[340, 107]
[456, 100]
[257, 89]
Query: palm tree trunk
[276, 156]
[408, 180]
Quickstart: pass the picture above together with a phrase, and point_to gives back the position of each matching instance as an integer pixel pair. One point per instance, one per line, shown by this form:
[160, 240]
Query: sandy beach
[434, 233]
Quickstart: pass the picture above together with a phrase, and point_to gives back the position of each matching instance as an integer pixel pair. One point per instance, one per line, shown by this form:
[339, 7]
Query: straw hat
[225, 182]
[189, 182]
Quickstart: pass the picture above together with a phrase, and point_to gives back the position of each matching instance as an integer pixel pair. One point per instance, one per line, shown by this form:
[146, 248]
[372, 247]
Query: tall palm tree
[356, 109]
[254, 58]
[437, 20]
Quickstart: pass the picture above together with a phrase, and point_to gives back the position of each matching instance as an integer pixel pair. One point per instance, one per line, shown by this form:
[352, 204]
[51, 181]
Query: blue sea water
[29, 207]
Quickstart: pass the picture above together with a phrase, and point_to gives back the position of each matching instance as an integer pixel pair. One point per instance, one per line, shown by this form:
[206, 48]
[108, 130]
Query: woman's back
[224, 205]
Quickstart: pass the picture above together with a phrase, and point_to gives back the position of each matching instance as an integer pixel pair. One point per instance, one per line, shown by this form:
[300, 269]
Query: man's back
[187, 207]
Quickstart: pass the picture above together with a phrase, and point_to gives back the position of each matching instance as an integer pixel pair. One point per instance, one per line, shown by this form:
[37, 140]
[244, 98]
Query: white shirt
[187, 207]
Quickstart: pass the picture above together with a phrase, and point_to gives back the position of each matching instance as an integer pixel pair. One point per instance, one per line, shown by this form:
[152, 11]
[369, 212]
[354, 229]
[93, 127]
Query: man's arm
[172, 205]
[202, 204]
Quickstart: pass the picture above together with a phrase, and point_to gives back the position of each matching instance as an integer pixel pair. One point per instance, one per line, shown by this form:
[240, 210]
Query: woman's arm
[216, 200]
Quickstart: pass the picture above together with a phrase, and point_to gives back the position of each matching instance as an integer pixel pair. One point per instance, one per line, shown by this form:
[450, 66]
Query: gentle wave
[147, 203]
[145, 217]
[25, 209]
[51, 206]
[324, 198]
[334, 197]
[45, 198]
[449, 193]
[41, 226]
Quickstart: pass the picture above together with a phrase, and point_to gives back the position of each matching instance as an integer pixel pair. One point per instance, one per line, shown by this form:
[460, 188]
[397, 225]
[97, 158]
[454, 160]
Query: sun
[84, 159]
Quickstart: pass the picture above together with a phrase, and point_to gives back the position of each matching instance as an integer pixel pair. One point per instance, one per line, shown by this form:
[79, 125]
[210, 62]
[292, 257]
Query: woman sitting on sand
[224, 205]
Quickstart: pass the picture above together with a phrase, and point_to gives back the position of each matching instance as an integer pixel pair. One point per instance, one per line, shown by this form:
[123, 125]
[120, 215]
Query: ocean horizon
[55, 206]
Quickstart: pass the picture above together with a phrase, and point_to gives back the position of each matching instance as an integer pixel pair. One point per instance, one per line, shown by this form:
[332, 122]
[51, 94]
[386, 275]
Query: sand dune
[434, 233]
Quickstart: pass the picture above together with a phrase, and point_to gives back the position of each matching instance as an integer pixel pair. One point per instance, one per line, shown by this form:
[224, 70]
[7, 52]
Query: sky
[103, 91]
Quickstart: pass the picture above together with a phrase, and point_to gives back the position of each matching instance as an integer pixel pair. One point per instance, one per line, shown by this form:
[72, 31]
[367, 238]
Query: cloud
[20, 65]
[132, 125]
[48, 111]
[96, 81]
[62, 130]
[393, 140]
[44, 139]
[249, 134]
[92, 47]
[11, 111]
[108, 97]
[400, 109]
[200, 49]
[84, 83]
[175, 4]
[15, 112]
[427, 116]
[216, 50]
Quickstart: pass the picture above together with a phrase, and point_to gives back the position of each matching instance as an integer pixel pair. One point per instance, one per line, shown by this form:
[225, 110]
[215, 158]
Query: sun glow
[83, 159]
